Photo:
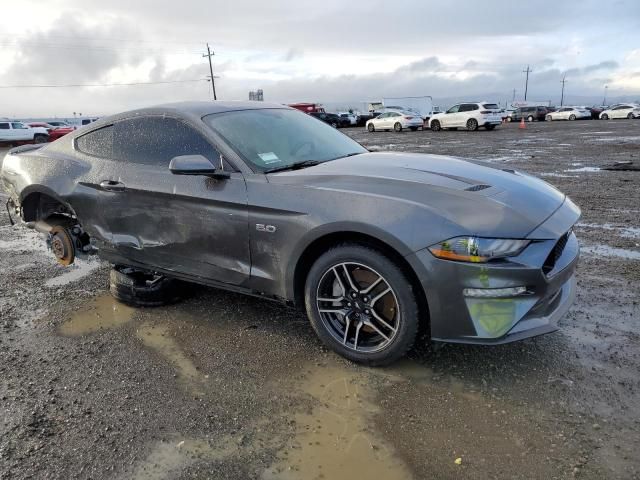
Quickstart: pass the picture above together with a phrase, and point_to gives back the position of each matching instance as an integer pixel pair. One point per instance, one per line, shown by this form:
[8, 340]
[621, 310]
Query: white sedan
[568, 113]
[396, 120]
[627, 110]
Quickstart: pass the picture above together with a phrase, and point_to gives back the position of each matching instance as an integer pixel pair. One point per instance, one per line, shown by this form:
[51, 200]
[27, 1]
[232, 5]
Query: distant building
[257, 96]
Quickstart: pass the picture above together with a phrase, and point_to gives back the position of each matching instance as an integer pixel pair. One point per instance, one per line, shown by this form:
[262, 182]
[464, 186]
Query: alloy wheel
[358, 307]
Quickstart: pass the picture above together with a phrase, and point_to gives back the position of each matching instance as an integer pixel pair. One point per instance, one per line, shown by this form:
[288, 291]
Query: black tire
[397, 127]
[472, 125]
[334, 125]
[630, 116]
[371, 128]
[40, 138]
[572, 117]
[406, 312]
[509, 119]
[548, 118]
[605, 117]
[490, 127]
[530, 118]
[413, 129]
[435, 126]
[142, 289]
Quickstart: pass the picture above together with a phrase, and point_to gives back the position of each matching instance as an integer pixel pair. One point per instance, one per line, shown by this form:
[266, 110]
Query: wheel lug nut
[354, 295]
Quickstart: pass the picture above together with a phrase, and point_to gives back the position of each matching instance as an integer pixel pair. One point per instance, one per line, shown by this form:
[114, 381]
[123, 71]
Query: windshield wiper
[294, 166]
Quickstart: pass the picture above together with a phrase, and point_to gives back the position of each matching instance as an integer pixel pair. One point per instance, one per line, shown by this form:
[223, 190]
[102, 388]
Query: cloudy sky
[334, 51]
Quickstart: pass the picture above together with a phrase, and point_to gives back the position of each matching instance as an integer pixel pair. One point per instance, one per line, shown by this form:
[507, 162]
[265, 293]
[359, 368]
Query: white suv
[14, 133]
[470, 115]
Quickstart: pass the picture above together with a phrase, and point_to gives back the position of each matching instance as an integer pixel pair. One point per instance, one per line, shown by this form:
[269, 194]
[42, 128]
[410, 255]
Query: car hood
[480, 199]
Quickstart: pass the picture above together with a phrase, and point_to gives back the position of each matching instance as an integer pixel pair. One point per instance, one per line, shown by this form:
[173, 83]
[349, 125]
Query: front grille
[475, 188]
[556, 253]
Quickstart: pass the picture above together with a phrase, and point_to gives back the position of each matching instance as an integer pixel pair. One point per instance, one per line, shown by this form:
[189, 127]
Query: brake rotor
[365, 278]
[62, 245]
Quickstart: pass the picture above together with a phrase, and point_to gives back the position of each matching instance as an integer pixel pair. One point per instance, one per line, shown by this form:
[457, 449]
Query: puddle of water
[167, 459]
[554, 174]
[103, 313]
[74, 273]
[607, 251]
[584, 169]
[629, 232]
[159, 338]
[336, 441]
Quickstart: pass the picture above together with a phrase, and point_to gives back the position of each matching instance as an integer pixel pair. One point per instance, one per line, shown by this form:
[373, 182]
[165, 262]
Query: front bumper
[546, 268]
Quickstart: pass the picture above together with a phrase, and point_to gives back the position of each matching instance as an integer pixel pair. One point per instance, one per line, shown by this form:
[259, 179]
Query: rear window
[4, 126]
[490, 106]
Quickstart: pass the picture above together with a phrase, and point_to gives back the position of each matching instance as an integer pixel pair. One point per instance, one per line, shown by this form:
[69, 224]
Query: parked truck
[308, 107]
[17, 133]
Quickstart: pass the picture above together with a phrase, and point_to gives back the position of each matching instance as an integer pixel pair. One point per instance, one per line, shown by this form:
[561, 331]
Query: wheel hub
[358, 307]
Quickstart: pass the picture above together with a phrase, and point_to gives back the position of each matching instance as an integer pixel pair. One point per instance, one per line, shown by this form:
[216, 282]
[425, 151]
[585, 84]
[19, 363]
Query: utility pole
[210, 54]
[604, 100]
[526, 85]
[513, 98]
[564, 80]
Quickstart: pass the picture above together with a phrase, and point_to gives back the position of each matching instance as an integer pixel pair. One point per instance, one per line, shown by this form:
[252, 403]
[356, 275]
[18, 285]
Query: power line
[104, 84]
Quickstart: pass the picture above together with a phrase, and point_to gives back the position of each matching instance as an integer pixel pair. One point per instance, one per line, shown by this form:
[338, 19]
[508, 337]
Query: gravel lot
[225, 386]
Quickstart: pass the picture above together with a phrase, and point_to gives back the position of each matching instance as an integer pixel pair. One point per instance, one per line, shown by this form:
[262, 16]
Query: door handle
[112, 186]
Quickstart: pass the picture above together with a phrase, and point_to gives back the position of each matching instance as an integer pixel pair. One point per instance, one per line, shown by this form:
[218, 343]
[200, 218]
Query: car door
[6, 133]
[622, 111]
[381, 120]
[450, 118]
[192, 225]
[21, 133]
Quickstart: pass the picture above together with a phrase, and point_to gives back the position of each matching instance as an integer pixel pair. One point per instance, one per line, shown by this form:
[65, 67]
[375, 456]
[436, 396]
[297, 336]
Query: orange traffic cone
[522, 124]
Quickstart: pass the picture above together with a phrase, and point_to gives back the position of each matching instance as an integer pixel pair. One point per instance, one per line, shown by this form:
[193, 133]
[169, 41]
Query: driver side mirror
[196, 165]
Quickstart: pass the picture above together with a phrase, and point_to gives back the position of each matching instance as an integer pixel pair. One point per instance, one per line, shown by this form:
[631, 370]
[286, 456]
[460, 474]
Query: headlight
[477, 250]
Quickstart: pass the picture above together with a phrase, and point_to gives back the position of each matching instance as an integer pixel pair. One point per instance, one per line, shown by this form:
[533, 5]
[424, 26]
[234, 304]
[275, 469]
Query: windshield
[276, 138]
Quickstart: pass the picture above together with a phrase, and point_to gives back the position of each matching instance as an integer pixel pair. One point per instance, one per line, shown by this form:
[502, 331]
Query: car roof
[193, 110]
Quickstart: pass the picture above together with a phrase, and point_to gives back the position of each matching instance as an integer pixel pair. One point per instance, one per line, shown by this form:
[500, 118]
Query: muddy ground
[225, 386]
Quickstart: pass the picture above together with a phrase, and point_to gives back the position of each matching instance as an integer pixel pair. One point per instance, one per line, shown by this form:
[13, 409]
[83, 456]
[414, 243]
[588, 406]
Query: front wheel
[361, 305]
[630, 116]
[605, 117]
[371, 128]
[572, 117]
[40, 138]
[530, 118]
[334, 125]
[397, 127]
[509, 119]
[472, 124]
[548, 118]
[435, 126]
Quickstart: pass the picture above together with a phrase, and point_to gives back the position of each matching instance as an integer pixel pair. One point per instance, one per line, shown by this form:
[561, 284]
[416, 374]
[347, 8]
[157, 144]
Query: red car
[55, 132]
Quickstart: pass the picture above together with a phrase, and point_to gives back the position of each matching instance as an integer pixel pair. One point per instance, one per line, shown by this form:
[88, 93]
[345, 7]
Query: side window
[4, 126]
[98, 143]
[466, 107]
[454, 109]
[17, 125]
[156, 140]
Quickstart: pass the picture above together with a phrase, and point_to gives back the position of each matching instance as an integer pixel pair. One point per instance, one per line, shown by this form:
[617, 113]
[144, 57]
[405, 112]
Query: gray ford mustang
[266, 200]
